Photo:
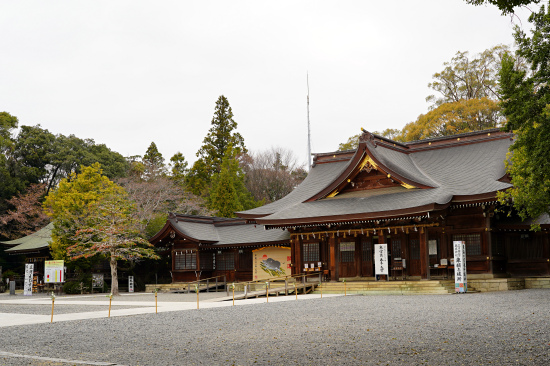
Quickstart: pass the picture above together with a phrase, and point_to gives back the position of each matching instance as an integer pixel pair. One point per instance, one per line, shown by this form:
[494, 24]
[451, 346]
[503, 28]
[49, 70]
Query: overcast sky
[127, 73]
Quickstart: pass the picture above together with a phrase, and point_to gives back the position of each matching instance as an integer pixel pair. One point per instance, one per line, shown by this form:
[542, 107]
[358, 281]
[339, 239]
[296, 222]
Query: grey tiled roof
[35, 241]
[402, 164]
[459, 170]
[317, 179]
[229, 233]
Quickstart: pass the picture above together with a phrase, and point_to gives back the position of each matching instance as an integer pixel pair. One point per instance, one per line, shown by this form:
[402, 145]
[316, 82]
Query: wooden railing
[267, 283]
[211, 282]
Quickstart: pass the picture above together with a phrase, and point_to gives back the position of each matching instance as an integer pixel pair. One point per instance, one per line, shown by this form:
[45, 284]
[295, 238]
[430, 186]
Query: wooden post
[345, 287]
[156, 305]
[295, 291]
[286, 286]
[233, 293]
[216, 284]
[207, 285]
[332, 259]
[424, 255]
[267, 291]
[110, 300]
[197, 289]
[53, 300]
[321, 287]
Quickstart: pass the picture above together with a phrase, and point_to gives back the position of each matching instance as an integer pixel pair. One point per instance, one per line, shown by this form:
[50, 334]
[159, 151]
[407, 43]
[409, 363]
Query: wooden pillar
[298, 255]
[489, 243]
[333, 255]
[424, 255]
[358, 254]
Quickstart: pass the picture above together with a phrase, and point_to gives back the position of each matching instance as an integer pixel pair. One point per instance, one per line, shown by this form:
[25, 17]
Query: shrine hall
[417, 197]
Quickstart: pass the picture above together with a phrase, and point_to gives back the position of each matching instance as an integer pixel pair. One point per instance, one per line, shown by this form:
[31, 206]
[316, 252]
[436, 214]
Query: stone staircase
[439, 287]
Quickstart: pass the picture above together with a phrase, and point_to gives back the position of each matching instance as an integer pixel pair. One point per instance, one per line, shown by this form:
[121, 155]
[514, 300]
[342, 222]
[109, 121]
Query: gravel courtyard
[504, 328]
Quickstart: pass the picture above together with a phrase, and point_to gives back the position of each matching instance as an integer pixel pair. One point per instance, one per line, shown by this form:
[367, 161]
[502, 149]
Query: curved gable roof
[459, 168]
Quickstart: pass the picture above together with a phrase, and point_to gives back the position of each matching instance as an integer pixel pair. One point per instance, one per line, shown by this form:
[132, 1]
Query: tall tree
[220, 136]
[228, 193]
[93, 216]
[10, 183]
[153, 162]
[179, 168]
[526, 104]
[7, 124]
[465, 77]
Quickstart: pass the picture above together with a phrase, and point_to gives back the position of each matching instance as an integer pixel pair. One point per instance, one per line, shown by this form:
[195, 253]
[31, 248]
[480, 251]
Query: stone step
[387, 287]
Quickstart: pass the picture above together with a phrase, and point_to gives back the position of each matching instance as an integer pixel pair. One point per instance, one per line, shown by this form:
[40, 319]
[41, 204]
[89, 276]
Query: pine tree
[221, 135]
[153, 162]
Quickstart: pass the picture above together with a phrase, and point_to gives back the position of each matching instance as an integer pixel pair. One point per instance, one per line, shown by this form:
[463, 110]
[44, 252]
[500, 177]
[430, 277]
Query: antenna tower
[308, 130]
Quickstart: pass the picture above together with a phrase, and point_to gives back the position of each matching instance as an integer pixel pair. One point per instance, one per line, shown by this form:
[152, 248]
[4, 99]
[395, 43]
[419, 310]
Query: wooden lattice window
[347, 251]
[186, 259]
[225, 261]
[310, 252]
[366, 250]
[473, 243]
[396, 248]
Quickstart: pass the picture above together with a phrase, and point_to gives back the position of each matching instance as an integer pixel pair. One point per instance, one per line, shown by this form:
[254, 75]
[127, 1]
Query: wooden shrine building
[417, 197]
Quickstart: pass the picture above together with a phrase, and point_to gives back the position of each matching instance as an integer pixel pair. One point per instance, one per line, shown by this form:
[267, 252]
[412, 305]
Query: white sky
[126, 73]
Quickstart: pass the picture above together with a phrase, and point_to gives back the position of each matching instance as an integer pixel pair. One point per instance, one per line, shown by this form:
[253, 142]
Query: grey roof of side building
[35, 241]
[461, 170]
[230, 233]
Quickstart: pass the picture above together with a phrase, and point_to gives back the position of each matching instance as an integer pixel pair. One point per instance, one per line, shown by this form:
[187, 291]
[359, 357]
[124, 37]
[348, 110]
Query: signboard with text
[381, 259]
[54, 272]
[27, 289]
[460, 266]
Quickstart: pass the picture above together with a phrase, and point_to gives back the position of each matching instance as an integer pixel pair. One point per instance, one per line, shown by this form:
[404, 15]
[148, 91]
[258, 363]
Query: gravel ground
[504, 328]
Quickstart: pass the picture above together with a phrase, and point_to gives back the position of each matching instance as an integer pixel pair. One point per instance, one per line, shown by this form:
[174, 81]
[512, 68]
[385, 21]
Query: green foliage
[220, 136]
[228, 193]
[526, 104]
[155, 224]
[351, 144]
[7, 124]
[179, 168]
[44, 157]
[70, 203]
[507, 6]
[454, 118]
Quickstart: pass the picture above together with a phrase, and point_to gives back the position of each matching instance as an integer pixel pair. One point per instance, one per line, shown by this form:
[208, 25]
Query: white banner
[29, 269]
[460, 266]
[381, 259]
